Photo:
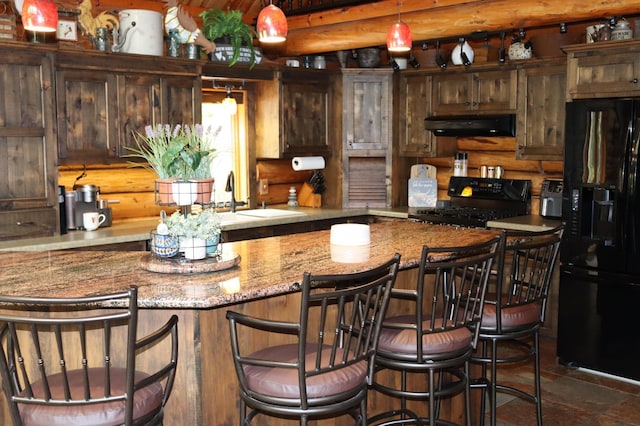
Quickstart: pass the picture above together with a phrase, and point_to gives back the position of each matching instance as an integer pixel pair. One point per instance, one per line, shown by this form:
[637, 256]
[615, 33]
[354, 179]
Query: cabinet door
[86, 105]
[139, 105]
[494, 92]
[28, 176]
[305, 117]
[182, 100]
[541, 113]
[452, 94]
[602, 73]
[414, 105]
[479, 92]
[367, 111]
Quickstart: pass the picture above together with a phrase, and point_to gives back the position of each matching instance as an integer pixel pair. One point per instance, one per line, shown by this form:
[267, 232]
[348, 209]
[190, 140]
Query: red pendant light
[40, 16]
[399, 36]
[272, 25]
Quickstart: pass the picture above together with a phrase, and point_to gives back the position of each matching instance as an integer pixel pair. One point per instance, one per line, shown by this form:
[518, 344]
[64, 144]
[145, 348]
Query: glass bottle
[173, 43]
[102, 39]
[622, 30]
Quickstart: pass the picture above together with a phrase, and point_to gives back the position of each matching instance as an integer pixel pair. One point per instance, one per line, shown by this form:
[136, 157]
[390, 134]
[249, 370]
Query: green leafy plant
[219, 24]
[181, 152]
[204, 224]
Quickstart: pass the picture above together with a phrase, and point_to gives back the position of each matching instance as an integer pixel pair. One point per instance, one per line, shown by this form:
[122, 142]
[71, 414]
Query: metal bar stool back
[514, 313]
[432, 343]
[325, 371]
[72, 361]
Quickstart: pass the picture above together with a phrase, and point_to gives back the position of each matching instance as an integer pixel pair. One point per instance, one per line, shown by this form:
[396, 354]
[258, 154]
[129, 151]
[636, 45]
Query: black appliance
[472, 125]
[551, 199]
[600, 253]
[475, 201]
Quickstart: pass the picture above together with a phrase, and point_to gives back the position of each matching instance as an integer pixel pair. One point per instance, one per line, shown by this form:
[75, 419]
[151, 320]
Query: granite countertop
[138, 229]
[525, 223]
[268, 266]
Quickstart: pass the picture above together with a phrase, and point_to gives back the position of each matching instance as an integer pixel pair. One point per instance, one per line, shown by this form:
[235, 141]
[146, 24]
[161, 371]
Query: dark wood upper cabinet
[486, 92]
[293, 114]
[102, 102]
[603, 70]
[541, 112]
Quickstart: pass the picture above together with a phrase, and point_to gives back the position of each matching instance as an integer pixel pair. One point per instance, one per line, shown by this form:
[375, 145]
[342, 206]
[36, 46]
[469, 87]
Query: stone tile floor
[570, 396]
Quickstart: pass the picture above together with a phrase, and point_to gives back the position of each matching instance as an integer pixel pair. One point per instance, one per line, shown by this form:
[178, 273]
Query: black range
[475, 201]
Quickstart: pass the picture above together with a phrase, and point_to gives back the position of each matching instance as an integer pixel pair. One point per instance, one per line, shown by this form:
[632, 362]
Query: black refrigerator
[599, 301]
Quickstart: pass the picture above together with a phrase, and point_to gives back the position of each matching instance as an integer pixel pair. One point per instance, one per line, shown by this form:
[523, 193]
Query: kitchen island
[264, 284]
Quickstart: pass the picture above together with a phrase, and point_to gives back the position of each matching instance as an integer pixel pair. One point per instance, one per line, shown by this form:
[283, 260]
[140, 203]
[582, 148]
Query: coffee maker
[86, 201]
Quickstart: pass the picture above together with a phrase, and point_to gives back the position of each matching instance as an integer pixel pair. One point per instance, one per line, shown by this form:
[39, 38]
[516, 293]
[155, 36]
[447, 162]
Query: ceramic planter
[204, 190]
[193, 248]
[184, 192]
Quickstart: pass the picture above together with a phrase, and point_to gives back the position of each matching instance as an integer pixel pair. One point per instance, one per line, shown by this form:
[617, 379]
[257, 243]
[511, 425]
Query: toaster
[551, 198]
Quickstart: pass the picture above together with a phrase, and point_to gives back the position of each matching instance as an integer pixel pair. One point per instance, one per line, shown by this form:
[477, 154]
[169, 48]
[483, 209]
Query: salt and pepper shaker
[460, 164]
[293, 199]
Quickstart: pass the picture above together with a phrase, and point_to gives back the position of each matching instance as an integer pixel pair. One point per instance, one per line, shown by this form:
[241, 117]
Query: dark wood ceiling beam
[367, 25]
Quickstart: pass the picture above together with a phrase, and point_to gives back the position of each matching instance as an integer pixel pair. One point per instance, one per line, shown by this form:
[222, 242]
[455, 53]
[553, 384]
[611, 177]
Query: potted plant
[198, 232]
[231, 35]
[182, 154]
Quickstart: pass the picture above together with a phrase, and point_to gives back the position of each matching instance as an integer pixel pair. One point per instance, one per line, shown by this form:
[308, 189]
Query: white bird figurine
[178, 19]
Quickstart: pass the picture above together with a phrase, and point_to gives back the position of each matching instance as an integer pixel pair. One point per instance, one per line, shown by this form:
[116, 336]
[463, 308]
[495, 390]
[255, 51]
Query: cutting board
[423, 171]
[423, 186]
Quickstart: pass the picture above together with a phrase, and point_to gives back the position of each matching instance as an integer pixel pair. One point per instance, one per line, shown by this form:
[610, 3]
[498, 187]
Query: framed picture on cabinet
[67, 30]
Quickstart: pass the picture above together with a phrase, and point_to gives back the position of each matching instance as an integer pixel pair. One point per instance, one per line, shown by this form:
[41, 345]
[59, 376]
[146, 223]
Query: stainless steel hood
[472, 125]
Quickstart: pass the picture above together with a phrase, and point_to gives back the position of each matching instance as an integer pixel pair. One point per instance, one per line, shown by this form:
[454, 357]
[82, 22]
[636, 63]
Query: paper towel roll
[307, 163]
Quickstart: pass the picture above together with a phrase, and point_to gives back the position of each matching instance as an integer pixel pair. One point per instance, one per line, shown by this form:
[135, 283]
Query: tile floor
[570, 397]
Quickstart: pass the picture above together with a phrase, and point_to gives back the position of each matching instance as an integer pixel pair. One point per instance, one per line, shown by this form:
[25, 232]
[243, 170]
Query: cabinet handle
[634, 81]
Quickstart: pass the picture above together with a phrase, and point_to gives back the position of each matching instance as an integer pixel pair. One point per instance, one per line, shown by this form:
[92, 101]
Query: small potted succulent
[180, 156]
[198, 232]
[233, 36]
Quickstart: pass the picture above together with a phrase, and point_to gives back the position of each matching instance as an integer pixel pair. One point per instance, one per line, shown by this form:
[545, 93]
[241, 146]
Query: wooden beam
[367, 25]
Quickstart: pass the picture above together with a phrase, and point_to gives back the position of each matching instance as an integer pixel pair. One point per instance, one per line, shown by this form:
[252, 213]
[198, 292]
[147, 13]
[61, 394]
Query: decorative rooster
[88, 23]
[178, 19]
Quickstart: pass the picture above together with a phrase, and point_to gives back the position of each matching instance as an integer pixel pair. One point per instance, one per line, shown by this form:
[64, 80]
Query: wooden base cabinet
[28, 176]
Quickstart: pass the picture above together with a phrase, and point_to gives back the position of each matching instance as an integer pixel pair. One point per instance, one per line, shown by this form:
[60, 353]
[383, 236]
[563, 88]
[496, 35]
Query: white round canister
[142, 31]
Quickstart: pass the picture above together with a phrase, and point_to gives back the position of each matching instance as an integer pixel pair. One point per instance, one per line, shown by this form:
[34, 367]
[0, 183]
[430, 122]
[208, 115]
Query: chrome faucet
[231, 187]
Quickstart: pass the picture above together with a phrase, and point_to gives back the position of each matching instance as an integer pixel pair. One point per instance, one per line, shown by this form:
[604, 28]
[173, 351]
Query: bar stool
[436, 338]
[326, 371]
[61, 364]
[514, 313]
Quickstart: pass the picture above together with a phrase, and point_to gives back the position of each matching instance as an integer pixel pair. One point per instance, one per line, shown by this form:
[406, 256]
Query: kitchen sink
[255, 214]
[268, 213]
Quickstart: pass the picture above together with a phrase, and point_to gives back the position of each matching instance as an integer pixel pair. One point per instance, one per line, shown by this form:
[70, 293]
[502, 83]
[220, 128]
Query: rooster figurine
[88, 23]
[178, 19]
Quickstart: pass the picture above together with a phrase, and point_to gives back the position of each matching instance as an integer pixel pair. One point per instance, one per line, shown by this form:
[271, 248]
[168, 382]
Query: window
[230, 143]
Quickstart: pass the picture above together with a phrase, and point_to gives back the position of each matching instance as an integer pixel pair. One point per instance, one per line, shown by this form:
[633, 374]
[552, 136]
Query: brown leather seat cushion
[146, 400]
[511, 316]
[404, 341]
[283, 382]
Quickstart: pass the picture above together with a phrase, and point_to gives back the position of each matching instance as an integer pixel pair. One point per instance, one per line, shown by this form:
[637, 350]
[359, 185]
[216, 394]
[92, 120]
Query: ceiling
[366, 25]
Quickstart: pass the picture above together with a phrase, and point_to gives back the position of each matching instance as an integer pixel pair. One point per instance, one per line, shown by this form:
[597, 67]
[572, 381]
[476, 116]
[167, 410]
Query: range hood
[472, 125]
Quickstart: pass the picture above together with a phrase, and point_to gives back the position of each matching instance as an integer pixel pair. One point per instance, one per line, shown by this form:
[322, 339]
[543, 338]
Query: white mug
[92, 220]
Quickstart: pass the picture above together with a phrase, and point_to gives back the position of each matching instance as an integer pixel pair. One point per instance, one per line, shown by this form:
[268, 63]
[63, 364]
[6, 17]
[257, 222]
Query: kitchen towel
[307, 163]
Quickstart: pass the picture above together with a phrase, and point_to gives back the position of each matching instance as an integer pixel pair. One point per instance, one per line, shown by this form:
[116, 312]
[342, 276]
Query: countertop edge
[138, 229]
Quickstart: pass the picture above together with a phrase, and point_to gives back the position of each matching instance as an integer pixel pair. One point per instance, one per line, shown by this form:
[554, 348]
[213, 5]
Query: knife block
[306, 197]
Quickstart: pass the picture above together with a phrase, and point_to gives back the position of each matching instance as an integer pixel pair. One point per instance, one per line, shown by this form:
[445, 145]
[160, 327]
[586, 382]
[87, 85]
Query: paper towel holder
[307, 163]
